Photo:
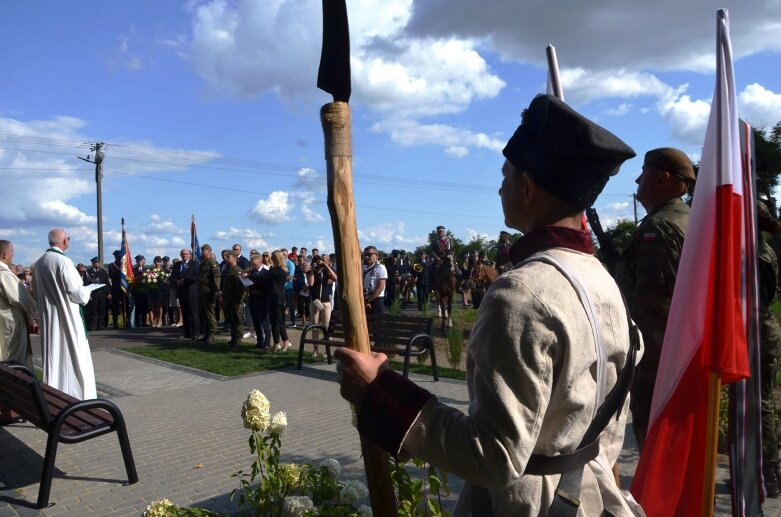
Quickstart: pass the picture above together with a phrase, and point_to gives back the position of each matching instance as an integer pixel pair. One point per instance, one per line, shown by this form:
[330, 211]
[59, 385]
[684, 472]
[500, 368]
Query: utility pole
[97, 148]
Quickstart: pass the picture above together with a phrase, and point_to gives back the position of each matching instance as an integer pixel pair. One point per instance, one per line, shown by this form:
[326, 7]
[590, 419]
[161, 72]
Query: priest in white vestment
[18, 311]
[59, 290]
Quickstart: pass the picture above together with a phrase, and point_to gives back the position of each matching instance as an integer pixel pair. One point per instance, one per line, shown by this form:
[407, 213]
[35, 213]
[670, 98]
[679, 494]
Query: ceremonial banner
[194, 244]
[705, 340]
[127, 269]
[745, 418]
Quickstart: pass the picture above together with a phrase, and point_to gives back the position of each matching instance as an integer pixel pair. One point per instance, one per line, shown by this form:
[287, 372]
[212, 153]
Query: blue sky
[210, 107]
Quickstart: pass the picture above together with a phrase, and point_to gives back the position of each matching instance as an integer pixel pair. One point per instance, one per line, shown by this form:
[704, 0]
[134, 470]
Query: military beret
[117, 253]
[568, 155]
[95, 259]
[157, 259]
[504, 233]
[673, 161]
[140, 257]
[166, 258]
[767, 223]
[440, 227]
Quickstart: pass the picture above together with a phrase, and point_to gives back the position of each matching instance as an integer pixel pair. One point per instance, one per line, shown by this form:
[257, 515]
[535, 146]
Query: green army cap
[767, 223]
[673, 161]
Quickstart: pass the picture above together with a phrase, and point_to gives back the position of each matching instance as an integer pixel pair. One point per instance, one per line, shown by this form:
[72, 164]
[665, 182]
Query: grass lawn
[217, 358]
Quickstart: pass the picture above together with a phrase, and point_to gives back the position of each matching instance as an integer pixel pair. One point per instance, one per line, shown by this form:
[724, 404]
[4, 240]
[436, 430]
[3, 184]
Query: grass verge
[217, 358]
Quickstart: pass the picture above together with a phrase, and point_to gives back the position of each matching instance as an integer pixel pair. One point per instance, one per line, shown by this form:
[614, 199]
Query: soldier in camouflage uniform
[209, 286]
[647, 268]
[232, 294]
[770, 343]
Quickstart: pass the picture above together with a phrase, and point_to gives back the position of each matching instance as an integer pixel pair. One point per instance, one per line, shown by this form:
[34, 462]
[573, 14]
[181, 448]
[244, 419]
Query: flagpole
[711, 445]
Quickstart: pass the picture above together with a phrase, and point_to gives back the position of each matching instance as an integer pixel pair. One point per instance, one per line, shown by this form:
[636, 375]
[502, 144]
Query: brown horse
[406, 286]
[445, 287]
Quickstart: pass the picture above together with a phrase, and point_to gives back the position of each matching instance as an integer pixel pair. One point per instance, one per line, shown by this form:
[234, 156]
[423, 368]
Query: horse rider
[441, 247]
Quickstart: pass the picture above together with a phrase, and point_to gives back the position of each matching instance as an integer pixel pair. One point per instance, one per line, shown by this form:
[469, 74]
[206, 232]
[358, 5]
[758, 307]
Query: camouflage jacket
[232, 288]
[770, 330]
[208, 276]
[646, 271]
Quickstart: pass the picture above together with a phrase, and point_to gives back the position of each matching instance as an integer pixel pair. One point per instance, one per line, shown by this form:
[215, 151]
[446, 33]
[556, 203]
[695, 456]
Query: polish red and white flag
[706, 332]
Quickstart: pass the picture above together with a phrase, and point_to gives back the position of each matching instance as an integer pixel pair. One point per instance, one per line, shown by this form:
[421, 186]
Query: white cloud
[687, 118]
[389, 235]
[59, 179]
[310, 179]
[66, 213]
[620, 110]
[160, 225]
[472, 234]
[10, 233]
[408, 132]
[618, 205]
[247, 237]
[759, 106]
[246, 49]
[124, 58]
[274, 209]
[581, 85]
[456, 151]
[249, 48]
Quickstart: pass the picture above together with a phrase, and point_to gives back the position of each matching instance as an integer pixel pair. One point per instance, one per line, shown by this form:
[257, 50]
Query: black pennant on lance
[334, 73]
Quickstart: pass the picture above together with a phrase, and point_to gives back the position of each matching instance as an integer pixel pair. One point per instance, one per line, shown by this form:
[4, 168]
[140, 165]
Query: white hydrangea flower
[290, 472]
[332, 465]
[353, 491]
[278, 423]
[297, 506]
[255, 411]
[159, 508]
[365, 511]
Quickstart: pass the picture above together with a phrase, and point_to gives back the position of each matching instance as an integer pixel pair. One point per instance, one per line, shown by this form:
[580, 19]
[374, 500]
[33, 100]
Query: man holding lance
[551, 341]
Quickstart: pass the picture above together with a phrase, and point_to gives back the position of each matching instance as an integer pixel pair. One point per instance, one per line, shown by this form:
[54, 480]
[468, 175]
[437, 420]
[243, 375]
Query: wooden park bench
[66, 419]
[406, 336]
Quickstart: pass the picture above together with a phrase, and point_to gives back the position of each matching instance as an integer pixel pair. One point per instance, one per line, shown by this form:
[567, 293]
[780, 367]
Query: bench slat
[392, 335]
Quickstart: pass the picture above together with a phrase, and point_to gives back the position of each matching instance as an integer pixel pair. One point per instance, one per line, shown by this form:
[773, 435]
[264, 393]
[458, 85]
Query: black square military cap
[568, 155]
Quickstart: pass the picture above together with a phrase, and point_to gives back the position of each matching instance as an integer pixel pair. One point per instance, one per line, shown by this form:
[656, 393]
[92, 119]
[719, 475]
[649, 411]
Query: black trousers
[119, 305]
[190, 319]
[422, 295]
[95, 313]
[142, 307]
[259, 310]
[277, 320]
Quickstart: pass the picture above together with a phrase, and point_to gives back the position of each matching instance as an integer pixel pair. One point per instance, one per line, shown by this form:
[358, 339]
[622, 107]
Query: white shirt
[371, 276]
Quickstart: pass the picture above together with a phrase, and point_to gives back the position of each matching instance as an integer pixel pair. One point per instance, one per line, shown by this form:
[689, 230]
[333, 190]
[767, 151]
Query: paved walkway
[187, 436]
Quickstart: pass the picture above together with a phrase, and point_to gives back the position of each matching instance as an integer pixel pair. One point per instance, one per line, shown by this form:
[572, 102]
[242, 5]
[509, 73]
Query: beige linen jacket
[531, 374]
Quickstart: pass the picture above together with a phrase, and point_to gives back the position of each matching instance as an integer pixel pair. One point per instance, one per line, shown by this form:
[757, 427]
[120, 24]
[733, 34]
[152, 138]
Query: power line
[243, 191]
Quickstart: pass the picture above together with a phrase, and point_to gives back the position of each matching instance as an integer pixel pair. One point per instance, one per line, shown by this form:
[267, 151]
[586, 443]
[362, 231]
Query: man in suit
[96, 308]
[185, 277]
[140, 294]
[241, 260]
[119, 298]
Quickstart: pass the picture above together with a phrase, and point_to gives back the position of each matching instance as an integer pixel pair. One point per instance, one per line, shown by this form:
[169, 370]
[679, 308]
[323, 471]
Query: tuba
[418, 267]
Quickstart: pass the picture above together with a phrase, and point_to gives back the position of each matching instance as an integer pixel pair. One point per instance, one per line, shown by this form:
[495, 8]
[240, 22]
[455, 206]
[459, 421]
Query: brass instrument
[417, 267]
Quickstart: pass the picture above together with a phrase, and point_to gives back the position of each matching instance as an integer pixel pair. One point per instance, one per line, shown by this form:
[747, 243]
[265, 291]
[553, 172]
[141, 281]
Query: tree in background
[767, 157]
[621, 232]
